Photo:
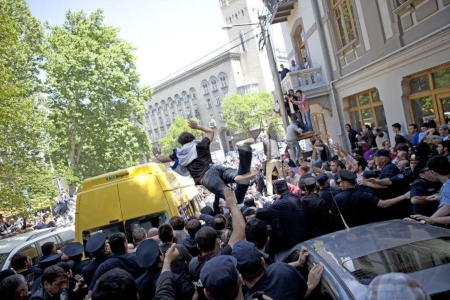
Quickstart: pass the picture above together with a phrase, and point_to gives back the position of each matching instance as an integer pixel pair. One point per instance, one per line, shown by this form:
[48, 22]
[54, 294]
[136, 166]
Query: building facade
[370, 62]
[199, 91]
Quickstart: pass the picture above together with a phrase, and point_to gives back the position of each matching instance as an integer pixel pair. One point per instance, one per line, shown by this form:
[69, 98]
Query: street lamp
[272, 62]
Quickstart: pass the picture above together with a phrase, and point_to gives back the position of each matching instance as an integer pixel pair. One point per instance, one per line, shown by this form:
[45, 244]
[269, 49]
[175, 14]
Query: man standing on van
[194, 158]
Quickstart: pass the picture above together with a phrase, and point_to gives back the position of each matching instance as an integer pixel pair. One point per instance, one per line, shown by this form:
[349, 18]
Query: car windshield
[407, 258]
[3, 257]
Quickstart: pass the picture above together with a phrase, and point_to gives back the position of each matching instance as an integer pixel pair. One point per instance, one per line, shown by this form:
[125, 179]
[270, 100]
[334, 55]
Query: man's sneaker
[244, 179]
[245, 144]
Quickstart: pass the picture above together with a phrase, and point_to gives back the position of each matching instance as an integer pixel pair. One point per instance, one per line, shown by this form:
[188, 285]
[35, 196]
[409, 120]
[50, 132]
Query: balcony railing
[304, 79]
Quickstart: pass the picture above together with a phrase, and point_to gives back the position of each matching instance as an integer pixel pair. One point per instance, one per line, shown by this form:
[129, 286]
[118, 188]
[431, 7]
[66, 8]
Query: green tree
[25, 176]
[250, 113]
[170, 141]
[94, 93]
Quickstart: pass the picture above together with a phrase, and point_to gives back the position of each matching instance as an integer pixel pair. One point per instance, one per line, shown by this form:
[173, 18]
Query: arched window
[192, 91]
[150, 109]
[170, 102]
[214, 87]
[158, 108]
[223, 80]
[163, 104]
[185, 97]
[205, 87]
[177, 99]
[243, 42]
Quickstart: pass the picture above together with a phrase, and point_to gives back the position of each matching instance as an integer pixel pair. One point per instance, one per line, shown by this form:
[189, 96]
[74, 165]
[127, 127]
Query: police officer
[148, 256]
[424, 186]
[97, 246]
[317, 215]
[287, 217]
[121, 259]
[357, 207]
[48, 261]
[326, 192]
[75, 253]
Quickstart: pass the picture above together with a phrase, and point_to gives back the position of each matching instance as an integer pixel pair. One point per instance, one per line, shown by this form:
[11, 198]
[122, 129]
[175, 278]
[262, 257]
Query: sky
[167, 35]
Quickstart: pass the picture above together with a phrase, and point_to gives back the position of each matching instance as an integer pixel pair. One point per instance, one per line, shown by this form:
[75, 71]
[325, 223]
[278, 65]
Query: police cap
[73, 249]
[147, 253]
[96, 242]
[382, 152]
[322, 178]
[345, 175]
[248, 257]
[309, 181]
[280, 185]
[219, 275]
[50, 260]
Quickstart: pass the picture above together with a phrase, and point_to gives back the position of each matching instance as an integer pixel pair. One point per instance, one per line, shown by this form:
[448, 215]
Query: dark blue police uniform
[94, 245]
[287, 218]
[422, 187]
[280, 281]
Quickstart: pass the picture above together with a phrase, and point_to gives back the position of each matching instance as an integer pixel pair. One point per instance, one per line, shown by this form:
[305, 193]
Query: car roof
[9, 243]
[338, 247]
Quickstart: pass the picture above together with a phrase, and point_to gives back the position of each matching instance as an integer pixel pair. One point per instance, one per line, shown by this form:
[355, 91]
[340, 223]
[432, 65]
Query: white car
[31, 243]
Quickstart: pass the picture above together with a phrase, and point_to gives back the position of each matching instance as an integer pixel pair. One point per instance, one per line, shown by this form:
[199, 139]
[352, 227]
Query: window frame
[334, 8]
[359, 107]
[433, 92]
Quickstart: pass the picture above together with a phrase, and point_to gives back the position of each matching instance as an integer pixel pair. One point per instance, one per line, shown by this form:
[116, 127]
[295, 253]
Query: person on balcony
[283, 72]
[294, 67]
[303, 103]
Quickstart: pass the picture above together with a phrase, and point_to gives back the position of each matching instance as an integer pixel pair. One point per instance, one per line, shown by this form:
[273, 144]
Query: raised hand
[156, 151]
[192, 124]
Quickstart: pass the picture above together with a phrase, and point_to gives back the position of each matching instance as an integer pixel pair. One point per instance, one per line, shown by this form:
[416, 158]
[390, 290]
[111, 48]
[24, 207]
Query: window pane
[441, 78]
[407, 258]
[446, 108]
[352, 102]
[419, 84]
[367, 117]
[423, 110]
[364, 99]
[354, 120]
[375, 96]
[380, 117]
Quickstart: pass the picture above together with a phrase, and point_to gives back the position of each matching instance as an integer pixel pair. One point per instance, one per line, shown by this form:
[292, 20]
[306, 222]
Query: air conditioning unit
[212, 124]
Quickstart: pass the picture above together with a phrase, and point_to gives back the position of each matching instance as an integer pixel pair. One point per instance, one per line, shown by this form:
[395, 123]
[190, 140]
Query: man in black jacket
[287, 218]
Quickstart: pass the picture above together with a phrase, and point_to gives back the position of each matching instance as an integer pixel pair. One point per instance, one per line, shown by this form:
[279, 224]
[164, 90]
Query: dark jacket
[287, 217]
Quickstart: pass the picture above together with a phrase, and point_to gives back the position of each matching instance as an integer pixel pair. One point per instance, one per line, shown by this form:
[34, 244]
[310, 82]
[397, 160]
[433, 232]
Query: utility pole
[273, 66]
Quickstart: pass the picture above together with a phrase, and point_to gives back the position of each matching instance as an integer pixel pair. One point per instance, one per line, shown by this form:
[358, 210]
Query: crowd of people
[62, 214]
[227, 251]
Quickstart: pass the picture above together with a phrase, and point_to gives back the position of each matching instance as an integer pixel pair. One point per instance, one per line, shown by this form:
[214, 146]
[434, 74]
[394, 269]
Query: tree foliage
[93, 90]
[25, 176]
[170, 141]
[249, 112]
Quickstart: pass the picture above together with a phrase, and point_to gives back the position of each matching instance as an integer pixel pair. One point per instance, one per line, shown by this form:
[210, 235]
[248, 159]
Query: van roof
[136, 171]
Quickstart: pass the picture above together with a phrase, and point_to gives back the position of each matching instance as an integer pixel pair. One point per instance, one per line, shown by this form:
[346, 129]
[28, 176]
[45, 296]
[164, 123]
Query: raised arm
[162, 158]
[209, 132]
[237, 219]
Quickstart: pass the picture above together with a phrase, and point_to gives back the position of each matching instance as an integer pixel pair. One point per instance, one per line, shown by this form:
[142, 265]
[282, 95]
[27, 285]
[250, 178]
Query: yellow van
[141, 196]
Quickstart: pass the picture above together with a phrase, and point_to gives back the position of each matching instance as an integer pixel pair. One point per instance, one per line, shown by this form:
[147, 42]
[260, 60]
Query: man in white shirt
[292, 132]
[294, 66]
